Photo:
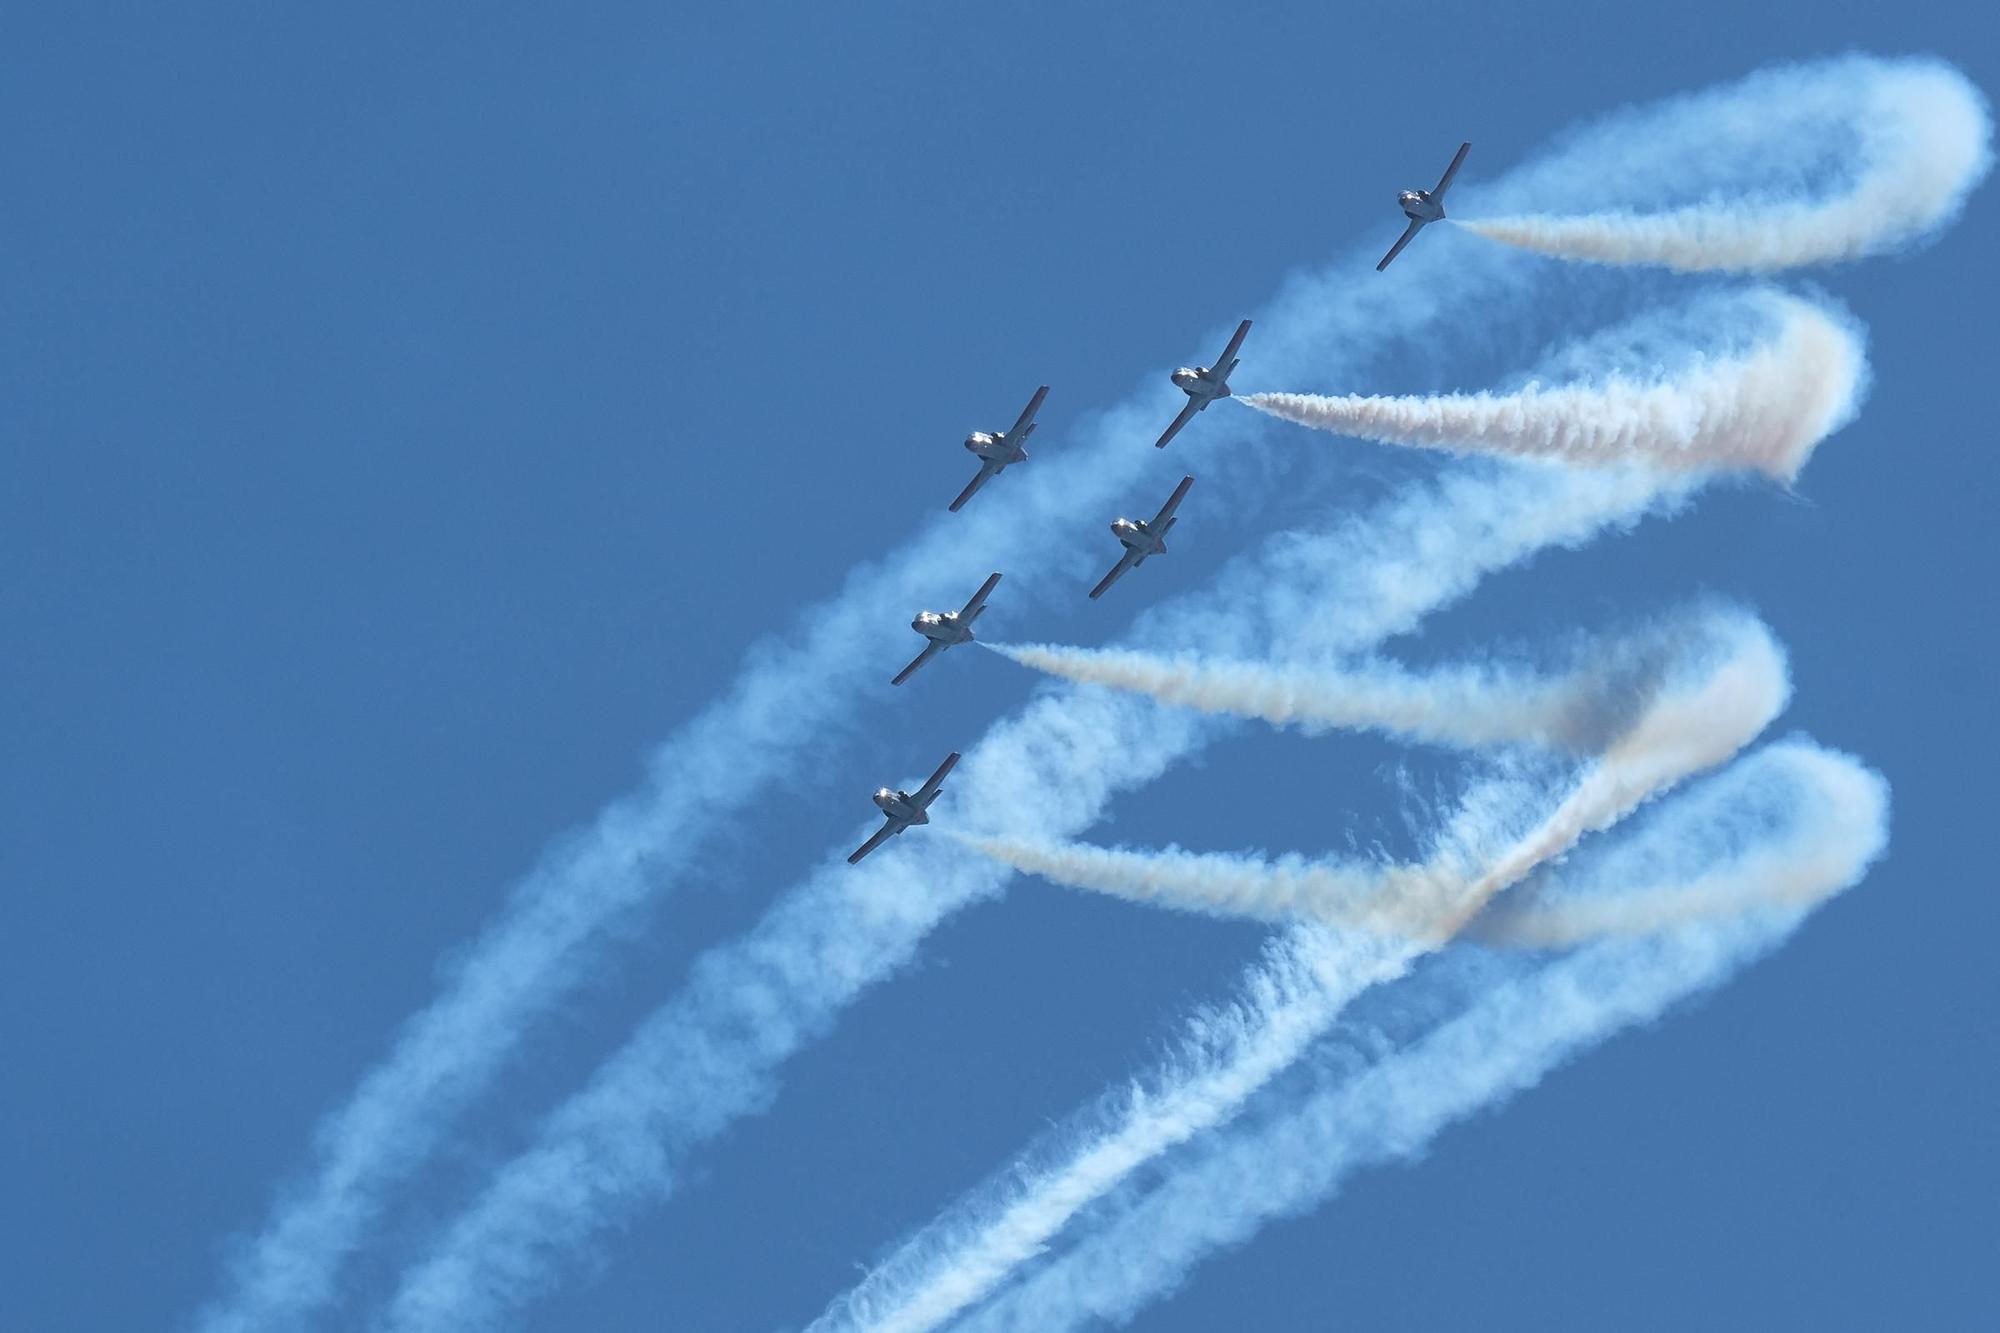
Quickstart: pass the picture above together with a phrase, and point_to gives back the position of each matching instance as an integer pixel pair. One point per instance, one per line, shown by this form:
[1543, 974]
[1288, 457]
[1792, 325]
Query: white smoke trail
[976, 1245]
[1510, 1037]
[708, 1056]
[1763, 411]
[548, 937]
[1684, 731]
[1478, 705]
[1923, 143]
[934, 1278]
[530, 1231]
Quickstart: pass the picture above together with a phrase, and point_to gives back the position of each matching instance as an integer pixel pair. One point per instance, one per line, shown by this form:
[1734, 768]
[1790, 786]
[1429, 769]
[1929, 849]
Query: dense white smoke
[1923, 136]
[1687, 729]
[1295, 1154]
[1761, 411]
[709, 1055]
[1483, 704]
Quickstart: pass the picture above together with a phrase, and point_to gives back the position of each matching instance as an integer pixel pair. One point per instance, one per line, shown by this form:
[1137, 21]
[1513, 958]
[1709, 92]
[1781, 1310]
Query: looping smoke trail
[620, 1141]
[1505, 1041]
[1684, 731]
[1763, 411]
[1484, 704]
[1924, 135]
[1405, 912]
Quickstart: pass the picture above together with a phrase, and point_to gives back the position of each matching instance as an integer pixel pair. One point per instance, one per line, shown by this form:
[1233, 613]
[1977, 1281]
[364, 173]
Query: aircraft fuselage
[945, 627]
[1418, 206]
[899, 807]
[1201, 384]
[1139, 538]
[995, 448]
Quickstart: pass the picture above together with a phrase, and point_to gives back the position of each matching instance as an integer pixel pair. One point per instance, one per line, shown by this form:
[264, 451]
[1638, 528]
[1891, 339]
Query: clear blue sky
[410, 415]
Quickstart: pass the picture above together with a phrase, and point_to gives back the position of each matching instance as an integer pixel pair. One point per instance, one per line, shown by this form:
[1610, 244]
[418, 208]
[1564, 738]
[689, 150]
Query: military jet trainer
[998, 452]
[905, 808]
[1422, 206]
[1204, 384]
[948, 630]
[1143, 539]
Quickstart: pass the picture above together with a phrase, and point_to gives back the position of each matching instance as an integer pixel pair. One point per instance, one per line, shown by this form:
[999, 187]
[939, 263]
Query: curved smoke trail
[1762, 411]
[1835, 811]
[1686, 730]
[1474, 705]
[617, 1142]
[1923, 143]
[708, 1056]
[1392, 1101]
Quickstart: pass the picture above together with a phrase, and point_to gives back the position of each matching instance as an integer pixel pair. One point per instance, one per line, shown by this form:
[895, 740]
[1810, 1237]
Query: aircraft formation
[1142, 539]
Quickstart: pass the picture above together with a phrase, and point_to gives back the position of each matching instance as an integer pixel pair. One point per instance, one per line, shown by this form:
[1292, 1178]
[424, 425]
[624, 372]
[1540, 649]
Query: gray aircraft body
[1143, 539]
[998, 452]
[1423, 206]
[947, 630]
[904, 808]
[1204, 384]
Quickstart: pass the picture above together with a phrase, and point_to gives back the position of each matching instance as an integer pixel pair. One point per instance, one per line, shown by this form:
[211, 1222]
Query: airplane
[905, 808]
[1421, 206]
[997, 452]
[947, 630]
[1143, 539]
[1203, 384]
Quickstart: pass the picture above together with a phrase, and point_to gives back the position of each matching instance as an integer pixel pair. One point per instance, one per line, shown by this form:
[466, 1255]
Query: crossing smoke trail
[1408, 911]
[548, 937]
[1379, 1107]
[623, 1133]
[1707, 844]
[1762, 411]
[1474, 705]
[1924, 134]
[708, 1056]
[1686, 730]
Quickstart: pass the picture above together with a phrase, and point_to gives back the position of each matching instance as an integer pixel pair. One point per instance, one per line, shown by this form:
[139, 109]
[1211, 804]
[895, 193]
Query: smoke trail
[530, 1231]
[1296, 1155]
[1830, 826]
[1469, 706]
[1923, 143]
[1686, 730]
[546, 940]
[708, 1056]
[1763, 411]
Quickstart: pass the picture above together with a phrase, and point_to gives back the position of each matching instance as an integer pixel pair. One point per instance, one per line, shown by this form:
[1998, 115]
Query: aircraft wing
[1224, 363]
[1444, 181]
[927, 793]
[987, 468]
[971, 608]
[1394, 250]
[1027, 420]
[1129, 559]
[882, 835]
[1194, 405]
[1173, 503]
[931, 649]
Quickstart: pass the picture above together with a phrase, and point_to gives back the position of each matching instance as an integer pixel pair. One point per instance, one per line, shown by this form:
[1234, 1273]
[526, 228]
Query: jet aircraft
[1204, 384]
[1143, 539]
[997, 452]
[905, 808]
[1422, 206]
[947, 630]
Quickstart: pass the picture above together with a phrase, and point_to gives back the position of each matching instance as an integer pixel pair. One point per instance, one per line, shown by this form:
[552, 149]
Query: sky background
[411, 414]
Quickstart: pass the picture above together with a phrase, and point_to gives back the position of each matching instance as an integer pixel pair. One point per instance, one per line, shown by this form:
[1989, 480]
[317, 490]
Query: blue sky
[411, 419]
